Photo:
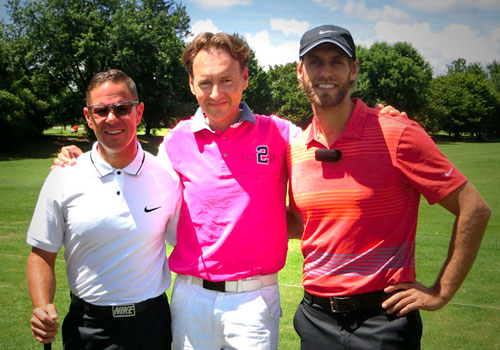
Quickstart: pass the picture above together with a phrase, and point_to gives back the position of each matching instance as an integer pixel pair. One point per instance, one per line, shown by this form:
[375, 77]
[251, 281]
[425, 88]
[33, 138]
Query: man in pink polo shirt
[232, 237]
[355, 180]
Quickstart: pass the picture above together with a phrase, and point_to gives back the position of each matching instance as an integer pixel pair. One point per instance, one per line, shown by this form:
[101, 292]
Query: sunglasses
[120, 109]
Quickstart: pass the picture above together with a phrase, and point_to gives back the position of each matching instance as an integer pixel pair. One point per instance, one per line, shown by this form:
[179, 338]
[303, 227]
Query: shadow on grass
[47, 146]
[449, 140]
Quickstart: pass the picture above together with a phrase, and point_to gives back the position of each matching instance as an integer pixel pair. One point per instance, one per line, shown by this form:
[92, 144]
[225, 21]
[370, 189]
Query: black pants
[372, 330]
[149, 329]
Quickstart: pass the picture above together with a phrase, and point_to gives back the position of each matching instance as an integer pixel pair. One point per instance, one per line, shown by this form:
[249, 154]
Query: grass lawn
[470, 321]
[66, 130]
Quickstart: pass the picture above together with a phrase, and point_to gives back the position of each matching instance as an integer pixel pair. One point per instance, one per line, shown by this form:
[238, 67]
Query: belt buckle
[215, 286]
[342, 304]
[123, 310]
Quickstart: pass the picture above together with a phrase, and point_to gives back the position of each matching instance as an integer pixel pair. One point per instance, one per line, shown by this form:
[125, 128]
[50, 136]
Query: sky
[441, 30]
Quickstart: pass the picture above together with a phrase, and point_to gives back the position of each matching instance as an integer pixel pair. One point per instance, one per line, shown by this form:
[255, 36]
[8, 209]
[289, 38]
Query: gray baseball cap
[328, 34]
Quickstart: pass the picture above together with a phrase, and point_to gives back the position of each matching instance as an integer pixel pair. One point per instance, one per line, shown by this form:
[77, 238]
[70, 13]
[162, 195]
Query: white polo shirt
[112, 223]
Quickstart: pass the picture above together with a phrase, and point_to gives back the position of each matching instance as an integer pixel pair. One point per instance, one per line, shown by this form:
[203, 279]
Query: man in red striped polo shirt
[355, 180]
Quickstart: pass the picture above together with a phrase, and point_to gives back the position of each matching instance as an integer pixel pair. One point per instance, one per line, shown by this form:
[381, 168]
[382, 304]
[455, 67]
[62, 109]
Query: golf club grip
[47, 346]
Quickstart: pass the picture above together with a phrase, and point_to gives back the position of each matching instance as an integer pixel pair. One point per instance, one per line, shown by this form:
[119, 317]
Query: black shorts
[370, 330]
[149, 329]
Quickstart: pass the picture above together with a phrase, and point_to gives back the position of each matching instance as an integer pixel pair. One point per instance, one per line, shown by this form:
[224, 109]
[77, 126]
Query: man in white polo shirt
[112, 212]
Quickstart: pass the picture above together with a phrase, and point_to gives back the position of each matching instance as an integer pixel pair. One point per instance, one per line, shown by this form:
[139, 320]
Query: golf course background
[470, 321]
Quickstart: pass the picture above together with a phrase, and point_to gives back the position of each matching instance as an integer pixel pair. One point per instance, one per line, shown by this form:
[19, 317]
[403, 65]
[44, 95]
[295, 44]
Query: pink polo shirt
[233, 221]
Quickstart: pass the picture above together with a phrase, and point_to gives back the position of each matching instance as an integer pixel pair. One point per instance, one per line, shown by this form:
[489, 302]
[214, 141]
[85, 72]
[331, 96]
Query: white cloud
[289, 27]
[441, 48]
[429, 5]
[365, 43]
[446, 5]
[268, 54]
[495, 41]
[202, 26]
[221, 4]
[332, 5]
[358, 9]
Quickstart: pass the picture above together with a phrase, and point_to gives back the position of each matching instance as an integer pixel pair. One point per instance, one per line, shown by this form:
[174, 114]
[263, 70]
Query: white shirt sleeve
[47, 227]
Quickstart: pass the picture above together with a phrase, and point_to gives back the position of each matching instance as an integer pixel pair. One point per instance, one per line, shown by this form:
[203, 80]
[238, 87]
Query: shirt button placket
[224, 138]
[224, 149]
[119, 181]
[223, 145]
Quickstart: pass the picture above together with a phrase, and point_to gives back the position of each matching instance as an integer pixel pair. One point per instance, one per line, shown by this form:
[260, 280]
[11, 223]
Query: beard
[325, 99]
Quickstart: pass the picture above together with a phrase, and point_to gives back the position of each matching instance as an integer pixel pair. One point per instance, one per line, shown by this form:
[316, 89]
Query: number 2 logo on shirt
[262, 154]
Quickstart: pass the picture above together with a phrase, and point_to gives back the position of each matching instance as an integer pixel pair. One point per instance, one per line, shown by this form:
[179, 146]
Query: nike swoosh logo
[449, 172]
[326, 31]
[150, 210]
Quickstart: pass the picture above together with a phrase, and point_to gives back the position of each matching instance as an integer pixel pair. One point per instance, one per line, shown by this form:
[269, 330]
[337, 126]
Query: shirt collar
[199, 122]
[103, 168]
[353, 129]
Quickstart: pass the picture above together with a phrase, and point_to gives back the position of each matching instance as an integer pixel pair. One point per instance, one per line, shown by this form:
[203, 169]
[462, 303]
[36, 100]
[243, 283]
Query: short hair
[115, 76]
[234, 44]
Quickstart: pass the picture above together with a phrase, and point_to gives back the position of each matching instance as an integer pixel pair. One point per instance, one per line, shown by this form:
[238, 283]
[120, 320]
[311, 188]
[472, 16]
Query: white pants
[208, 320]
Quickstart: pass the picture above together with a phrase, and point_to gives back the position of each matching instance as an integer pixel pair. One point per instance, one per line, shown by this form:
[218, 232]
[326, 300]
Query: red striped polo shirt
[360, 213]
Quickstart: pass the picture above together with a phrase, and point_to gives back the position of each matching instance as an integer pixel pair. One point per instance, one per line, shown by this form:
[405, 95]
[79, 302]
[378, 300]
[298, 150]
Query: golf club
[328, 155]
[47, 346]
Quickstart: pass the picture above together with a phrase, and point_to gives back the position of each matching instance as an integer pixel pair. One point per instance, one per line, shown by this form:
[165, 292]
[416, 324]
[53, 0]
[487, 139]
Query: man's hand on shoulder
[67, 156]
[389, 110]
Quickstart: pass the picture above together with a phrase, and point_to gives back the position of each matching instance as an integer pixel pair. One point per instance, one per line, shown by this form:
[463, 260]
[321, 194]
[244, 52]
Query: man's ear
[140, 111]
[88, 118]
[245, 77]
[300, 72]
[355, 70]
[191, 85]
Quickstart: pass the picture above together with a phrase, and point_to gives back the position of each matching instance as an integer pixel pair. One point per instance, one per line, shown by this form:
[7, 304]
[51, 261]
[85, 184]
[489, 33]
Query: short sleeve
[46, 230]
[425, 166]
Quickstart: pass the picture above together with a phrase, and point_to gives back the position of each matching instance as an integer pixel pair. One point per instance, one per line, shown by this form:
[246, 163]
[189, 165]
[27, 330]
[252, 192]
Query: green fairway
[68, 131]
[470, 321]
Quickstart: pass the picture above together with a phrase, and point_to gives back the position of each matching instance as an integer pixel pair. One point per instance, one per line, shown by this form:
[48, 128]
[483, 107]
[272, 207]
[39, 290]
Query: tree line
[49, 50]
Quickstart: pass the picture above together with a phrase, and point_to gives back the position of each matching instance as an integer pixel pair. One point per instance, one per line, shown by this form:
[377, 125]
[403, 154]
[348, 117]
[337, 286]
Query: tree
[494, 77]
[21, 110]
[289, 101]
[464, 102]
[73, 39]
[258, 95]
[151, 55]
[494, 74]
[460, 66]
[394, 74]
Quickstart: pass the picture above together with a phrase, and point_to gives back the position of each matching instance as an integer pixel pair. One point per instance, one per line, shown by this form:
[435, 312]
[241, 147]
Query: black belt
[349, 303]
[116, 311]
